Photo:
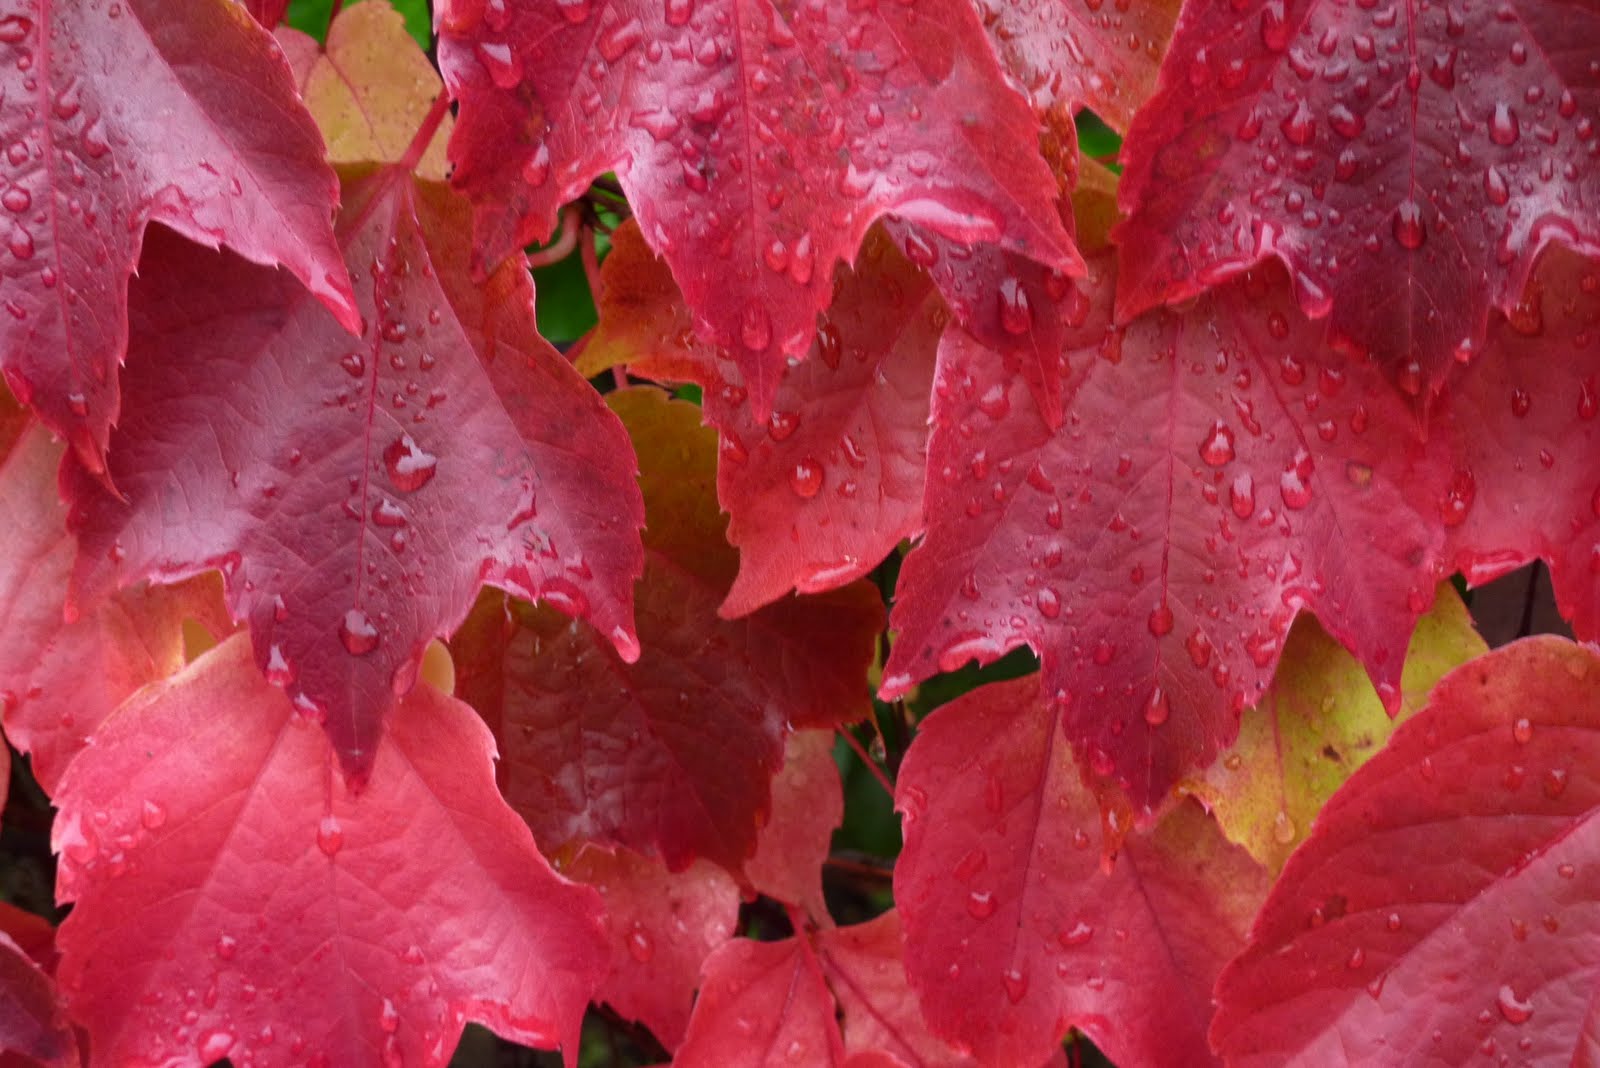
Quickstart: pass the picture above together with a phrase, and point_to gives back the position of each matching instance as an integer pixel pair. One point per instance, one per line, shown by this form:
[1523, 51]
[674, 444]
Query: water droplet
[1242, 497]
[357, 633]
[1217, 447]
[755, 328]
[1079, 934]
[1512, 1008]
[227, 947]
[1016, 984]
[330, 836]
[641, 947]
[574, 11]
[16, 199]
[537, 170]
[678, 12]
[806, 478]
[1503, 125]
[981, 904]
[1522, 731]
[152, 815]
[1198, 647]
[388, 1017]
[1160, 621]
[1158, 709]
[1407, 225]
[14, 29]
[214, 1045]
[1283, 828]
[1016, 314]
[504, 68]
[409, 467]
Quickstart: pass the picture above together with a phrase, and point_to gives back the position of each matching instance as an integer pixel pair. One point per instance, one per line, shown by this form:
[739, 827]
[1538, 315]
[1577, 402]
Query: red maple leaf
[357, 493]
[1524, 481]
[58, 678]
[820, 492]
[662, 925]
[760, 1004]
[673, 755]
[1406, 163]
[1216, 472]
[807, 807]
[1442, 909]
[1013, 930]
[220, 854]
[756, 142]
[170, 111]
[1071, 55]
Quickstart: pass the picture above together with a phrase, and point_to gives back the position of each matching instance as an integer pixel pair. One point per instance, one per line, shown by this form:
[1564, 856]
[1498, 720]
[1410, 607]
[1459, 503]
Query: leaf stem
[424, 135]
[333, 12]
[872, 766]
[566, 240]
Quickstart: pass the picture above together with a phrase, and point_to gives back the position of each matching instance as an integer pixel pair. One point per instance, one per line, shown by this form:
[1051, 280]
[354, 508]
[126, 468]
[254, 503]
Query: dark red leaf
[1407, 168]
[267, 12]
[662, 926]
[756, 142]
[357, 494]
[674, 755]
[1216, 472]
[119, 114]
[1014, 932]
[762, 1004]
[60, 678]
[1443, 909]
[220, 854]
[1524, 481]
[1071, 55]
[827, 487]
[32, 1025]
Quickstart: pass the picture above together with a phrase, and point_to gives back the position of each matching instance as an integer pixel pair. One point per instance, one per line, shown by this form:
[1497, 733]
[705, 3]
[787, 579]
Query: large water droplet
[1016, 314]
[1514, 1009]
[357, 633]
[1216, 448]
[504, 68]
[806, 478]
[409, 467]
[1504, 127]
[1407, 225]
[330, 835]
[755, 327]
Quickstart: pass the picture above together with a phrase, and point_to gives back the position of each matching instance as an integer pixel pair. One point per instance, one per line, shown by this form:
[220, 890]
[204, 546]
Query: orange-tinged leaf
[207, 844]
[672, 756]
[369, 87]
[1319, 722]
[807, 806]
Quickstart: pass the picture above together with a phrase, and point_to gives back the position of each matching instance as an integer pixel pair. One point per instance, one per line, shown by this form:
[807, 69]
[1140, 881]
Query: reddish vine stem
[591, 263]
[872, 765]
[567, 239]
[424, 135]
[333, 11]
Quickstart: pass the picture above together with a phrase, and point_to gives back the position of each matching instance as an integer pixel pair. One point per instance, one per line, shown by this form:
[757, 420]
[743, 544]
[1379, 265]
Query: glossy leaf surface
[357, 493]
[672, 756]
[123, 112]
[222, 854]
[830, 483]
[1407, 165]
[1014, 932]
[1443, 908]
[756, 142]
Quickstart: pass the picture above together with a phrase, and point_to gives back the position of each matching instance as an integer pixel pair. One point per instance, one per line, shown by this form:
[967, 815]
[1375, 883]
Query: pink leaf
[208, 846]
[1443, 909]
[357, 494]
[60, 679]
[662, 925]
[1014, 932]
[170, 111]
[756, 142]
[762, 1005]
[807, 806]
[1406, 168]
[33, 1029]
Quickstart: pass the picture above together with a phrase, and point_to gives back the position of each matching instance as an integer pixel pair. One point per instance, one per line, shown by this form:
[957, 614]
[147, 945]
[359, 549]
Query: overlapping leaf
[369, 87]
[1318, 723]
[1524, 478]
[662, 926]
[33, 1029]
[807, 807]
[1210, 479]
[1013, 930]
[756, 142]
[674, 755]
[824, 997]
[221, 854]
[60, 678]
[832, 481]
[122, 112]
[1407, 164]
[1444, 908]
[358, 492]
[1071, 55]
